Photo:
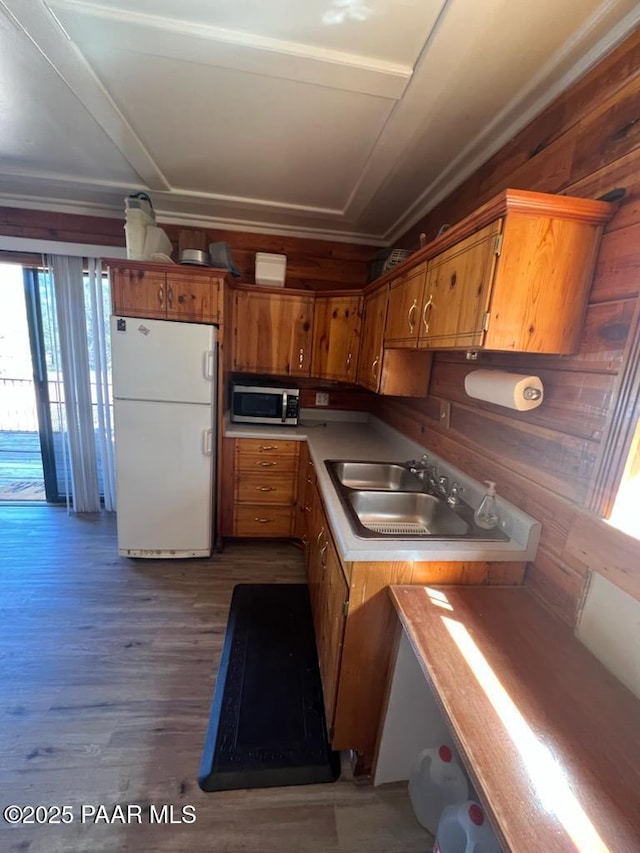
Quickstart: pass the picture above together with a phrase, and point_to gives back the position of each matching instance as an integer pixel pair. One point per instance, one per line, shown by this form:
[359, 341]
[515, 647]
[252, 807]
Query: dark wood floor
[107, 669]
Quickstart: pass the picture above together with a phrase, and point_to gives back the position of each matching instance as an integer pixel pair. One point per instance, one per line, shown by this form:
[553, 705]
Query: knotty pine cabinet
[513, 276]
[397, 372]
[167, 292]
[406, 308]
[265, 475]
[272, 332]
[336, 336]
[374, 315]
[354, 622]
[329, 594]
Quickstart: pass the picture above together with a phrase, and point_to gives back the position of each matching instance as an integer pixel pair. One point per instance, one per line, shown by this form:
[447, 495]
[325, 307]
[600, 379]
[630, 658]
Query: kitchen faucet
[437, 484]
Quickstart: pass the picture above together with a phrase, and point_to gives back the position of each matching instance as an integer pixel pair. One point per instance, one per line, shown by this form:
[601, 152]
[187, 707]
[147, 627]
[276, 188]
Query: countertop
[548, 736]
[359, 436]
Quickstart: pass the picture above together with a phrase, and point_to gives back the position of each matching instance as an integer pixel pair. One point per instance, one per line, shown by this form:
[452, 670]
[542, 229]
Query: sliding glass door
[34, 460]
[21, 462]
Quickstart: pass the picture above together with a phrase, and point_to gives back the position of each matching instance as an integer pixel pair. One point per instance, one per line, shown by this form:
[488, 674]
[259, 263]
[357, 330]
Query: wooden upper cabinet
[406, 304]
[166, 292]
[336, 337]
[457, 291]
[272, 332]
[139, 292]
[193, 300]
[373, 319]
[514, 276]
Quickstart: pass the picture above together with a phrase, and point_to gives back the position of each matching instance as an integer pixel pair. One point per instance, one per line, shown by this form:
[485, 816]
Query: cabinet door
[306, 486]
[139, 293]
[314, 560]
[336, 337]
[191, 299]
[458, 290]
[405, 307]
[374, 315]
[272, 333]
[334, 594]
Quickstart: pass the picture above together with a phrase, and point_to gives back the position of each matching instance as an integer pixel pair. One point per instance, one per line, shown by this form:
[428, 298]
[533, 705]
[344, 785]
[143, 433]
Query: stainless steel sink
[384, 500]
[385, 476]
[406, 514]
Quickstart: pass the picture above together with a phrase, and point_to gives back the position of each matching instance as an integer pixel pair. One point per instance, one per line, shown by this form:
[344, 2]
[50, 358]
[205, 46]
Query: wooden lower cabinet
[329, 593]
[354, 624]
[264, 487]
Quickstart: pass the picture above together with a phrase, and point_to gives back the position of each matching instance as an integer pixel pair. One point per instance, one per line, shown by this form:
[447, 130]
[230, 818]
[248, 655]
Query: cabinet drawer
[261, 520]
[273, 487]
[266, 447]
[254, 462]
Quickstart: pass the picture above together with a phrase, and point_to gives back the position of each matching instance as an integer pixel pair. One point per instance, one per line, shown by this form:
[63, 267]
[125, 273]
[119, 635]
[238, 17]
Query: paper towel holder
[530, 393]
[511, 390]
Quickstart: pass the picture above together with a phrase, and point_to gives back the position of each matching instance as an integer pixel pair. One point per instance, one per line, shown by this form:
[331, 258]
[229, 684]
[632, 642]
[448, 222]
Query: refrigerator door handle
[209, 364]
[207, 442]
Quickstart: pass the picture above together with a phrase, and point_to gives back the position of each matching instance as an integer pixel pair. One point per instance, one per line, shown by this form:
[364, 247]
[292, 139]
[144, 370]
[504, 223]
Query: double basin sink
[386, 500]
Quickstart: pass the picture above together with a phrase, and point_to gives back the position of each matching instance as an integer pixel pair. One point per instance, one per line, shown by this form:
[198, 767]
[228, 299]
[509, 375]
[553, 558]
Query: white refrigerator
[164, 390]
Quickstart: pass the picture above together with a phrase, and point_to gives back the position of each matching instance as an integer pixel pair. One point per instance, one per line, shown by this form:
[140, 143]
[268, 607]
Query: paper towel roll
[504, 389]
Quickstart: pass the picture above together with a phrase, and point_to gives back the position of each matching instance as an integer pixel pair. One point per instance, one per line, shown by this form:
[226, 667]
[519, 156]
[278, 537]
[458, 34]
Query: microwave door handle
[284, 407]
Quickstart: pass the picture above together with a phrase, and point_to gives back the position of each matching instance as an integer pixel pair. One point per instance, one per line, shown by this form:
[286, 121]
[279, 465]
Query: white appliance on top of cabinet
[164, 389]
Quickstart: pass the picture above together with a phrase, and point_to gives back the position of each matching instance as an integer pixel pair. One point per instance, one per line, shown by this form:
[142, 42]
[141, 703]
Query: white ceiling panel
[347, 119]
[229, 133]
[386, 30]
[44, 129]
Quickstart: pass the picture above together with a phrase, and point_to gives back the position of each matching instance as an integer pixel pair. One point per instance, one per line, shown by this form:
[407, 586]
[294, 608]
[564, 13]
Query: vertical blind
[82, 350]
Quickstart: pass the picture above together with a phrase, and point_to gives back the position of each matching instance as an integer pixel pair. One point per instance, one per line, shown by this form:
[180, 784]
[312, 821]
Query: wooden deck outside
[21, 475]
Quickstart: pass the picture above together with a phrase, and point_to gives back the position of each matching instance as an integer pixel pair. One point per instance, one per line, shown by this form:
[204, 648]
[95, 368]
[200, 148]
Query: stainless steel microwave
[264, 404]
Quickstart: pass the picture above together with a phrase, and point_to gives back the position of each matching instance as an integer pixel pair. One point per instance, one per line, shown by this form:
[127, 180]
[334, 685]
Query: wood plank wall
[311, 264]
[585, 144]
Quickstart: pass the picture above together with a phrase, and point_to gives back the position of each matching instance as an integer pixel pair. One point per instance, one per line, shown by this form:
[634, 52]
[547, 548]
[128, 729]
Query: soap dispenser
[486, 516]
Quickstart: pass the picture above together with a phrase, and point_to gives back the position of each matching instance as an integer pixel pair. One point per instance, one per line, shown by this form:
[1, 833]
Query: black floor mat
[267, 726]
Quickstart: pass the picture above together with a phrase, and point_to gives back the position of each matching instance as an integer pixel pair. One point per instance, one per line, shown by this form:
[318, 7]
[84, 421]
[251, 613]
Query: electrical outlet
[322, 398]
[445, 413]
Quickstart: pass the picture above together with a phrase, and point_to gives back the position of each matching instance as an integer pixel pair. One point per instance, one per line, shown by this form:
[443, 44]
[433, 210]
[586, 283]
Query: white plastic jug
[464, 828]
[436, 780]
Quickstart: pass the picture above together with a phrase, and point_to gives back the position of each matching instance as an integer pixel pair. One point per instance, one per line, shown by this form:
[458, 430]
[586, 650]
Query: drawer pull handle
[265, 488]
[266, 464]
[268, 447]
[263, 520]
